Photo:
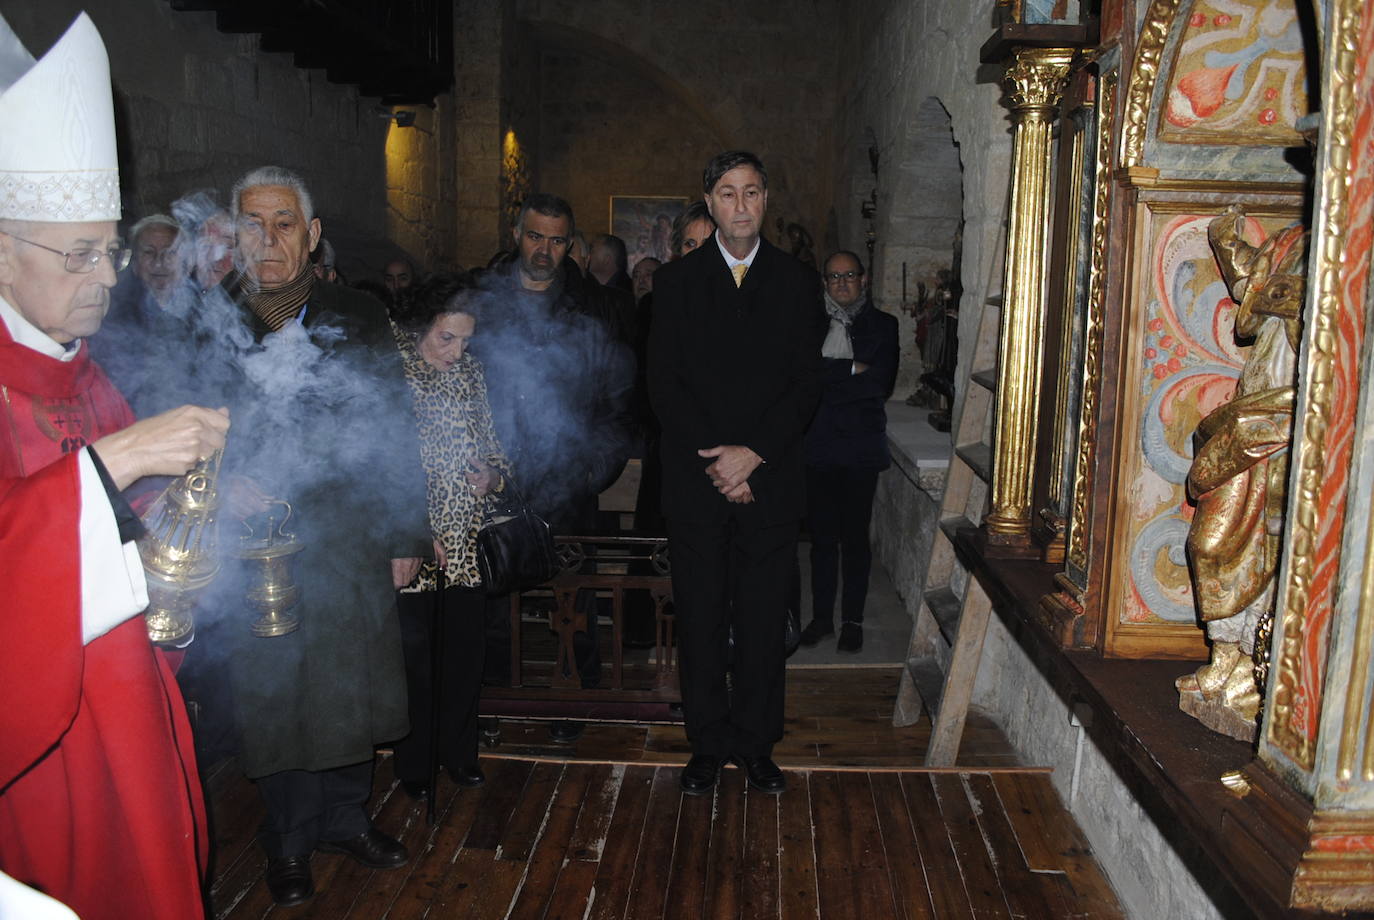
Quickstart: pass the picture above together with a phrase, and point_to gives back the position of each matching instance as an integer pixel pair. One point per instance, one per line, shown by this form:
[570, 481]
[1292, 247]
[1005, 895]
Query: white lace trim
[67, 196]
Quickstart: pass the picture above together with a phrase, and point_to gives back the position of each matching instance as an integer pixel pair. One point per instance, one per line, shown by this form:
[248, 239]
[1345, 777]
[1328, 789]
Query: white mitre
[57, 136]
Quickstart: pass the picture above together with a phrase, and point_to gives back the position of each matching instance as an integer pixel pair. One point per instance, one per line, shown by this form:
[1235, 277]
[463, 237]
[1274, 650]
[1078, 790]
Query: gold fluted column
[1036, 80]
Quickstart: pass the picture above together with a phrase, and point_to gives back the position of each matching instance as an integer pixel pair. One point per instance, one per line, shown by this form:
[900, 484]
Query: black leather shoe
[289, 881]
[763, 774]
[851, 638]
[467, 777]
[700, 775]
[815, 631]
[417, 791]
[372, 848]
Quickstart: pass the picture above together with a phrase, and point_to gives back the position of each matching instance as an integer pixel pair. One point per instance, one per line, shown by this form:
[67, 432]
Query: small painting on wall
[645, 224]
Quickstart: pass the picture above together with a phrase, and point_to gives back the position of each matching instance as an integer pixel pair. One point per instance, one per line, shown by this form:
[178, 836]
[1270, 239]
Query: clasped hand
[481, 479]
[734, 464]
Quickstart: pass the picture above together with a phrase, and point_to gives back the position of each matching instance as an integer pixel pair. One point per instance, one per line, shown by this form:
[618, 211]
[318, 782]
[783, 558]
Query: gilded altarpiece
[1212, 96]
[1210, 99]
[1328, 437]
[1237, 77]
[1317, 735]
[1180, 361]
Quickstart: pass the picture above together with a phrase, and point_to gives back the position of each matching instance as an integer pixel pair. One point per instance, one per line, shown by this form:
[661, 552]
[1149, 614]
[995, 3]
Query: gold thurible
[272, 591]
[179, 551]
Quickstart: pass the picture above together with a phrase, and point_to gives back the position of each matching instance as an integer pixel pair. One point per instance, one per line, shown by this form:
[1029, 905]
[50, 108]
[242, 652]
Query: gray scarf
[837, 343]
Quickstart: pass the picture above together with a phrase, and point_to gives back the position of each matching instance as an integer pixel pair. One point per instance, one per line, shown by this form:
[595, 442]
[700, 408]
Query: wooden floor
[835, 717]
[600, 830]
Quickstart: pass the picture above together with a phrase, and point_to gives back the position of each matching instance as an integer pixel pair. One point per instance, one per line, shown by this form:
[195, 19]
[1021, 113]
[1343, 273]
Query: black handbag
[514, 545]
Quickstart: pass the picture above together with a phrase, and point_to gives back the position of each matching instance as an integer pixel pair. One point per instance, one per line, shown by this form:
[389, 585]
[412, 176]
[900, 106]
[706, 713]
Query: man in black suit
[734, 376]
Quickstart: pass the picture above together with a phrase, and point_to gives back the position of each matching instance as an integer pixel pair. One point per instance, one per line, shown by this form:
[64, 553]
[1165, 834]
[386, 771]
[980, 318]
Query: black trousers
[731, 575]
[305, 807]
[839, 503]
[464, 645]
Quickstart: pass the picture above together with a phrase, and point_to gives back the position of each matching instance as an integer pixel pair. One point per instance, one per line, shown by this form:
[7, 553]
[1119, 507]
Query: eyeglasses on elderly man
[84, 261]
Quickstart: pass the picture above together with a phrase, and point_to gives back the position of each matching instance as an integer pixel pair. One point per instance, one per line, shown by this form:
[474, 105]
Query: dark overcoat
[732, 365]
[850, 427]
[560, 383]
[323, 420]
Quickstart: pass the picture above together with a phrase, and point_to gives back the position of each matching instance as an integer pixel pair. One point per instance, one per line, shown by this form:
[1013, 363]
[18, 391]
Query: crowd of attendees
[350, 440]
[529, 370]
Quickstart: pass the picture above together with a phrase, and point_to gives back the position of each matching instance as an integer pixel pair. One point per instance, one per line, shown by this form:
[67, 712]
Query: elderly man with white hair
[159, 263]
[147, 343]
[331, 432]
[100, 804]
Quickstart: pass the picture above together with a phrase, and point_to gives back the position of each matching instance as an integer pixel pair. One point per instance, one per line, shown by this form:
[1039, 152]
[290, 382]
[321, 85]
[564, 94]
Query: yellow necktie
[738, 271]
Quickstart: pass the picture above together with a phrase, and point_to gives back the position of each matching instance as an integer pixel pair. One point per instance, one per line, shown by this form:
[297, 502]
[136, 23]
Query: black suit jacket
[850, 428]
[734, 365]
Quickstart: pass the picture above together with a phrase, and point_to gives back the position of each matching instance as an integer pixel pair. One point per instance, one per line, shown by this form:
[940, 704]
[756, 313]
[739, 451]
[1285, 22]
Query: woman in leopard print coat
[463, 464]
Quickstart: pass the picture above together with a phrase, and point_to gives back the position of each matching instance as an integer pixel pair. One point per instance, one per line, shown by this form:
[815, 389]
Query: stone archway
[920, 210]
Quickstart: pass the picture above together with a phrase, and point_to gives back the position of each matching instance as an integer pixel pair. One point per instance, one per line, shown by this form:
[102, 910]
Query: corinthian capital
[1036, 77]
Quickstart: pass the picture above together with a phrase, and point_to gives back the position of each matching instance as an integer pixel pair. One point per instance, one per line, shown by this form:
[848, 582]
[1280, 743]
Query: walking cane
[436, 682]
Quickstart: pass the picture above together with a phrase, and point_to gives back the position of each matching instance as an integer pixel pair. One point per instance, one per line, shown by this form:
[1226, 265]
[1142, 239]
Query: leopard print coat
[454, 423]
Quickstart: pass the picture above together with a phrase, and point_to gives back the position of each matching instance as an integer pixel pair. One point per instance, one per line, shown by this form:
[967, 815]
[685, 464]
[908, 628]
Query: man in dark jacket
[734, 374]
[846, 448]
[608, 262]
[326, 427]
[559, 379]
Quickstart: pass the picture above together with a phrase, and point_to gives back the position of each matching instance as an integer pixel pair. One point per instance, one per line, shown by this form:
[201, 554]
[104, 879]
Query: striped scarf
[280, 305]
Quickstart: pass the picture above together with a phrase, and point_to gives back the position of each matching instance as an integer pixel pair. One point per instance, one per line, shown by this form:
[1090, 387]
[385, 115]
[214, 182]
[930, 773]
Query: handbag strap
[509, 496]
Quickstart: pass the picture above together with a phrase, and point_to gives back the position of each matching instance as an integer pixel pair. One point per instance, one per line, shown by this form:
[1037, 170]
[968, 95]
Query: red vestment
[100, 803]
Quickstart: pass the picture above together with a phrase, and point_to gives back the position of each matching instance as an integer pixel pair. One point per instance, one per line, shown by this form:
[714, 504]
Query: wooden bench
[608, 567]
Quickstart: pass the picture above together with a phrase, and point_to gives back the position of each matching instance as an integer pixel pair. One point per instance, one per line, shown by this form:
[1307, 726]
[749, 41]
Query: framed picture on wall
[645, 223]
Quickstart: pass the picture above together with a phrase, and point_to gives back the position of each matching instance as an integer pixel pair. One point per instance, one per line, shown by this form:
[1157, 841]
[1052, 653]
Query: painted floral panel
[1237, 76]
[1187, 364]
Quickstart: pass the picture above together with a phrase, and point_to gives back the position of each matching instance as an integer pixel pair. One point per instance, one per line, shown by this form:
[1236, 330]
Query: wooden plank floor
[603, 833]
[835, 717]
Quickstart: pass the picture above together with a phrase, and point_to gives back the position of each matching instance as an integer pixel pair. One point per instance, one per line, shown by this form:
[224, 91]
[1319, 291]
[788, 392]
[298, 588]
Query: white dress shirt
[731, 261]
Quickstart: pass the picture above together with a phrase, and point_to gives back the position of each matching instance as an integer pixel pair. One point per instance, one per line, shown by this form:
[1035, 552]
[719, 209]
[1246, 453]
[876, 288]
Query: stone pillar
[479, 43]
[1036, 77]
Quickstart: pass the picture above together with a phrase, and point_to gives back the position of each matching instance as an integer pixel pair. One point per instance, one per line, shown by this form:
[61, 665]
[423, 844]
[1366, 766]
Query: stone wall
[756, 74]
[479, 52]
[906, 509]
[904, 67]
[604, 130]
[195, 109]
[1154, 876]
[421, 185]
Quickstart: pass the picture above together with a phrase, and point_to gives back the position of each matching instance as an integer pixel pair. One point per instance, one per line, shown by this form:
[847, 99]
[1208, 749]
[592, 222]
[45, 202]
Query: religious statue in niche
[1239, 478]
[936, 313]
